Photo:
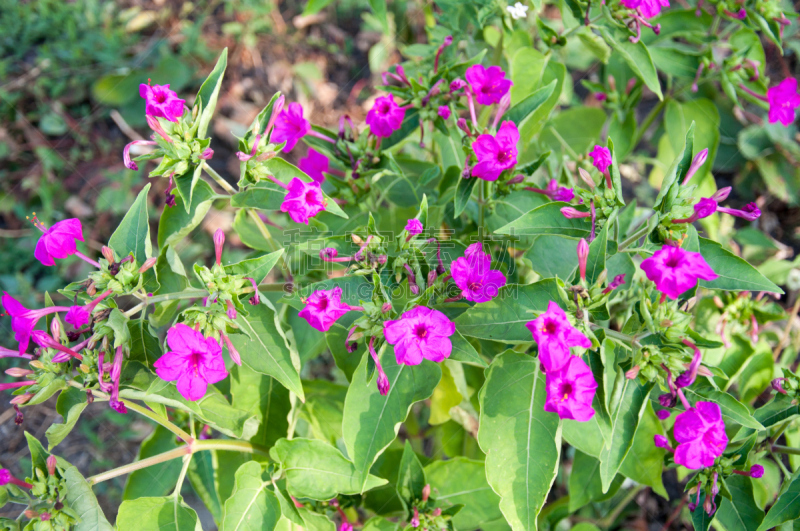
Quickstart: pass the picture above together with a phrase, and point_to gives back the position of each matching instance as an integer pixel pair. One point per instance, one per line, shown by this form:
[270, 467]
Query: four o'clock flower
[555, 335]
[315, 165]
[497, 153]
[601, 158]
[474, 276]
[304, 200]
[59, 241]
[193, 361]
[700, 434]
[324, 307]
[385, 117]
[23, 320]
[420, 333]
[783, 100]
[80, 316]
[570, 391]
[675, 270]
[116, 372]
[444, 112]
[488, 85]
[554, 191]
[413, 227]
[383, 380]
[6, 478]
[290, 126]
[161, 102]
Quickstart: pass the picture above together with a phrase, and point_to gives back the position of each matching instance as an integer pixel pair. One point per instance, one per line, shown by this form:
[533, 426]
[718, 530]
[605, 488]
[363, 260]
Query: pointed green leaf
[463, 193]
[636, 55]
[161, 513]
[256, 268]
[81, 499]
[735, 274]
[525, 109]
[733, 411]
[464, 352]
[741, 512]
[521, 440]
[262, 396]
[252, 506]
[133, 233]
[70, 404]
[209, 92]
[177, 222]
[410, 477]
[547, 219]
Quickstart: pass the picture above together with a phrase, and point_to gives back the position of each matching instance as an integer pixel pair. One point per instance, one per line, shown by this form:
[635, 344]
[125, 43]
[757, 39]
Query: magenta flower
[783, 100]
[414, 226]
[6, 478]
[750, 212]
[488, 84]
[497, 153]
[700, 434]
[290, 126]
[675, 270]
[304, 200]
[323, 308]
[652, 8]
[708, 205]
[58, 241]
[570, 391]
[80, 316]
[23, 320]
[474, 276]
[385, 117]
[555, 335]
[601, 158]
[315, 165]
[420, 333]
[444, 112]
[193, 360]
[161, 102]
[554, 191]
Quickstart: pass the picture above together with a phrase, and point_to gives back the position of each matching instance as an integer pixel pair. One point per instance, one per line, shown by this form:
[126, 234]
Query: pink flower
[420, 333]
[385, 117]
[58, 241]
[554, 191]
[783, 100]
[304, 200]
[414, 226]
[473, 275]
[497, 153]
[675, 270]
[601, 158]
[290, 126]
[708, 205]
[488, 84]
[315, 165]
[193, 360]
[555, 335]
[700, 434]
[23, 320]
[323, 308]
[570, 391]
[750, 212]
[444, 112]
[161, 102]
[79, 316]
[652, 8]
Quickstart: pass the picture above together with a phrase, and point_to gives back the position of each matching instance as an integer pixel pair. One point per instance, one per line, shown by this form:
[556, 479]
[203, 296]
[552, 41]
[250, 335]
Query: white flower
[518, 11]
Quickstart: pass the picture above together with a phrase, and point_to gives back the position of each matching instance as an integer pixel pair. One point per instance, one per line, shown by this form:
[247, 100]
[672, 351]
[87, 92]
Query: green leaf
[636, 55]
[145, 347]
[379, 10]
[504, 317]
[547, 219]
[264, 196]
[409, 125]
[252, 506]
[317, 470]
[410, 477]
[526, 109]
[315, 6]
[700, 519]
[261, 395]
[733, 411]
[157, 514]
[285, 172]
[256, 268]
[525, 70]
[673, 178]
[464, 352]
[616, 179]
[209, 92]
[371, 421]
[624, 421]
[741, 512]
[159, 479]
[266, 350]
[577, 128]
[81, 499]
[463, 193]
[595, 44]
[522, 442]
[585, 485]
[133, 233]
[786, 507]
[777, 410]
[462, 481]
[644, 463]
[70, 404]
[735, 274]
[177, 222]
[201, 474]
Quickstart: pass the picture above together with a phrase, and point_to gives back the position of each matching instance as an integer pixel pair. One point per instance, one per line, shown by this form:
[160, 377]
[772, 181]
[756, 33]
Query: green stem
[573, 29]
[630, 340]
[778, 460]
[179, 485]
[185, 294]
[188, 449]
[270, 240]
[609, 520]
[218, 179]
[564, 144]
[785, 449]
[642, 231]
[648, 121]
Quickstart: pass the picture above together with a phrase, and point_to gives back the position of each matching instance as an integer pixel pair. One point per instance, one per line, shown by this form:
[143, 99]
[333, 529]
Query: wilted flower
[193, 360]
[79, 316]
[444, 112]
[420, 333]
[554, 191]
[675, 270]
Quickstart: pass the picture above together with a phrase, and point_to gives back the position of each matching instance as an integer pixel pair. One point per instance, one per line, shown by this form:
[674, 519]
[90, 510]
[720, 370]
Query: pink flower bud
[572, 213]
[426, 492]
[663, 414]
[51, 465]
[148, 264]
[219, 241]
[18, 372]
[633, 372]
[108, 254]
[55, 328]
[206, 154]
[583, 255]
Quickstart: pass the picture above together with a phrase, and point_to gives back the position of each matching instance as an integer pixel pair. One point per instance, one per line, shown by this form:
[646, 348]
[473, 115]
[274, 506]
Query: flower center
[311, 197]
[503, 156]
[161, 97]
[565, 391]
[673, 261]
[549, 327]
[322, 305]
[421, 331]
[384, 108]
[474, 286]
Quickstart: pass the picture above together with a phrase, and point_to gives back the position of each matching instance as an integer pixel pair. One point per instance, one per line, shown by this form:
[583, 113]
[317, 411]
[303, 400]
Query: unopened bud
[30, 513]
[426, 492]
[432, 277]
[583, 255]
[776, 384]
[108, 254]
[462, 124]
[91, 290]
[633, 372]
[149, 263]
[327, 253]
[51, 465]
[219, 241]
[387, 306]
[356, 239]
[36, 364]
[18, 372]
[586, 177]
[44, 517]
[21, 399]
[206, 154]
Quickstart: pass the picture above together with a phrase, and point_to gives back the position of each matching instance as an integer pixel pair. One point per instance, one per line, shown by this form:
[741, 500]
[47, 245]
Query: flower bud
[108, 254]
[328, 252]
[776, 384]
[206, 154]
[633, 372]
[663, 414]
[18, 372]
[387, 307]
[148, 264]
[426, 492]
[572, 213]
[219, 241]
[585, 177]
[91, 290]
[583, 255]
[51, 465]
[21, 399]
